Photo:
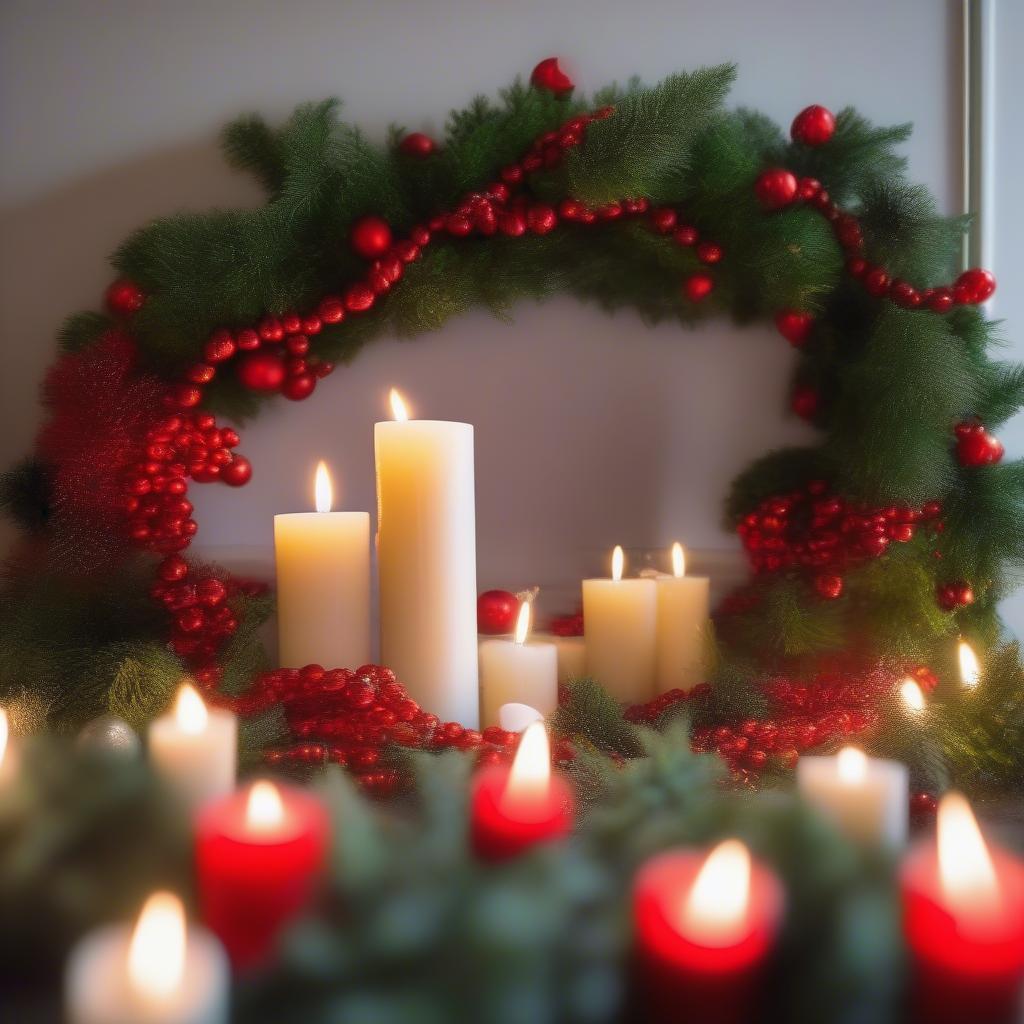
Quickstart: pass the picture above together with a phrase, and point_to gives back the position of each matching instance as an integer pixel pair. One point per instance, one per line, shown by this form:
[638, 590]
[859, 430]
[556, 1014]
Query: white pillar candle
[515, 717]
[517, 671]
[867, 797]
[572, 655]
[683, 611]
[195, 748]
[323, 584]
[8, 751]
[426, 550]
[620, 618]
[162, 972]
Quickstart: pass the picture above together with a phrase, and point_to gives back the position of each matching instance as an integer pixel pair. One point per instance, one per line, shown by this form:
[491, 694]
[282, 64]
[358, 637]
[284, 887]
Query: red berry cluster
[951, 596]
[567, 625]
[650, 712]
[975, 446]
[814, 529]
[181, 445]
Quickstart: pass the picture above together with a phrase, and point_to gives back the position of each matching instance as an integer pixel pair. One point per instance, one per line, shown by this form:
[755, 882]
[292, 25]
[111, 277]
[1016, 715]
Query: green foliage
[25, 495]
[588, 715]
[81, 329]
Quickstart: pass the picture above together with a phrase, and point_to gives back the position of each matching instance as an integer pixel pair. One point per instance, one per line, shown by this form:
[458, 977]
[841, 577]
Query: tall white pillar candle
[517, 671]
[867, 797]
[323, 584]
[195, 748]
[683, 611]
[620, 624]
[426, 552]
[162, 972]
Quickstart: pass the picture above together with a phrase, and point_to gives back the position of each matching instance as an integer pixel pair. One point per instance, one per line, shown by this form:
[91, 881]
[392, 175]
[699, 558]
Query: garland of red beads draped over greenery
[871, 551]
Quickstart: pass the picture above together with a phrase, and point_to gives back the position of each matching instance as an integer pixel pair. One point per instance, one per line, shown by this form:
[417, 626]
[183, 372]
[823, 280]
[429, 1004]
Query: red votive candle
[704, 924]
[258, 855]
[514, 808]
[963, 917]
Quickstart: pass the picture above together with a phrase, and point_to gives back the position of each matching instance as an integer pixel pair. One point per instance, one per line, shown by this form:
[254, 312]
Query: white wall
[590, 430]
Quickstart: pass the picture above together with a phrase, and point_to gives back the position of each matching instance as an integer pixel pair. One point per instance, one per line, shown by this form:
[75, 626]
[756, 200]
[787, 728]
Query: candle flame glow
[264, 810]
[913, 698]
[970, 670]
[851, 766]
[678, 560]
[190, 711]
[156, 953]
[523, 623]
[715, 910]
[530, 777]
[514, 717]
[5, 732]
[966, 872]
[322, 488]
[618, 562]
[398, 407]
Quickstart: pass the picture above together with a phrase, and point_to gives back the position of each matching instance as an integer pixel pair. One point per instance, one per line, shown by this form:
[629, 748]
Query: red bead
[941, 300]
[709, 252]
[496, 611]
[805, 402]
[813, 126]
[359, 298]
[371, 237]
[418, 145]
[876, 281]
[512, 224]
[124, 297]
[775, 188]
[976, 447]
[173, 568]
[237, 472]
[186, 396]
[548, 75]
[299, 387]
[542, 219]
[973, 286]
[698, 287]
[331, 310]
[794, 326]
[261, 371]
[270, 330]
[808, 189]
[664, 219]
[685, 234]
[220, 347]
[458, 225]
[247, 340]
[904, 294]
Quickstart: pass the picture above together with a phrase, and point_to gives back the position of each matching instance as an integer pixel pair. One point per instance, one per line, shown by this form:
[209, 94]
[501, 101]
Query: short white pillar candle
[195, 748]
[683, 611]
[867, 797]
[572, 655]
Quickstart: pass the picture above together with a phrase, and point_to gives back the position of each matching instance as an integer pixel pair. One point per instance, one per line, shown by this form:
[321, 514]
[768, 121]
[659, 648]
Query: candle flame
[913, 698]
[322, 488]
[966, 872]
[523, 622]
[618, 561]
[715, 910]
[398, 407]
[264, 810]
[190, 711]
[513, 717]
[678, 560]
[852, 766]
[5, 732]
[970, 670]
[530, 777]
[156, 953]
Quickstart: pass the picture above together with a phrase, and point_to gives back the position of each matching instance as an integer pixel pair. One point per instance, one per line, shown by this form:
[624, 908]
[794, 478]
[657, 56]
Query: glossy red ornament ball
[805, 402]
[972, 286]
[237, 472]
[775, 188]
[548, 75]
[496, 611]
[828, 586]
[418, 145]
[124, 297]
[299, 386]
[371, 237]
[794, 326]
[976, 447]
[813, 126]
[698, 287]
[261, 371]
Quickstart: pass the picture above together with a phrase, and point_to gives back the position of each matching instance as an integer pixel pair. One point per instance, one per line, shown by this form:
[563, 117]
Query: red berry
[828, 586]
[709, 252]
[237, 472]
[124, 297]
[371, 237]
[541, 218]
[261, 371]
[698, 287]
[794, 326]
[548, 75]
[972, 286]
[300, 386]
[359, 298]
[220, 347]
[418, 145]
[805, 402]
[173, 568]
[813, 126]
[685, 234]
[876, 281]
[940, 300]
[664, 219]
[775, 188]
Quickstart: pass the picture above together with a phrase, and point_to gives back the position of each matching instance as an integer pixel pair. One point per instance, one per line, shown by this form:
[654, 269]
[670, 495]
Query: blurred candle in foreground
[963, 916]
[258, 855]
[517, 670]
[163, 971]
[323, 583]
[195, 748]
[683, 610]
[867, 797]
[514, 808]
[704, 924]
[970, 670]
[620, 619]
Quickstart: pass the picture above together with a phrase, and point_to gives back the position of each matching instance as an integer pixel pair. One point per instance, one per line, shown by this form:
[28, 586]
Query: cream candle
[620, 619]
[162, 972]
[867, 797]
[323, 584]
[683, 611]
[195, 748]
[515, 670]
[426, 545]
[572, 655]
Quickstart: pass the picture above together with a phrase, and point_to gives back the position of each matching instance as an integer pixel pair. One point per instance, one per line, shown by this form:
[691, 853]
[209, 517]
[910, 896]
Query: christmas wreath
[871, 551]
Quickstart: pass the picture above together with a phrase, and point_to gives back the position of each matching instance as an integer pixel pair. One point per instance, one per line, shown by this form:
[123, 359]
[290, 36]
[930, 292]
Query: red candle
[704, 924]
[963, 916]
[513, 808]
[258, 854]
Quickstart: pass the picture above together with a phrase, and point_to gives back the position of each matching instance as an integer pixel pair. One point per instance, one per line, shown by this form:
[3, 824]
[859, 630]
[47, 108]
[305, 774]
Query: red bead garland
[975, 446]
[124, 297]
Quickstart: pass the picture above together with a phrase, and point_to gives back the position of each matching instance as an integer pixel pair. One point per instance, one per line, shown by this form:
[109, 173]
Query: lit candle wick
[190, 711]
[678, 560]
[398, 407]
[715, 911]
[966, 872]
[523, 623]
[970, 670]
[322, 488]
[264, 810]
[156, 953]
[529, 779]
[852, 766]
[618, 562]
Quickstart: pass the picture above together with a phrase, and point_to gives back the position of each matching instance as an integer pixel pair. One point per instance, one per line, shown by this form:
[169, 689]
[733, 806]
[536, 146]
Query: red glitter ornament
[975, 446]
[261, 371]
